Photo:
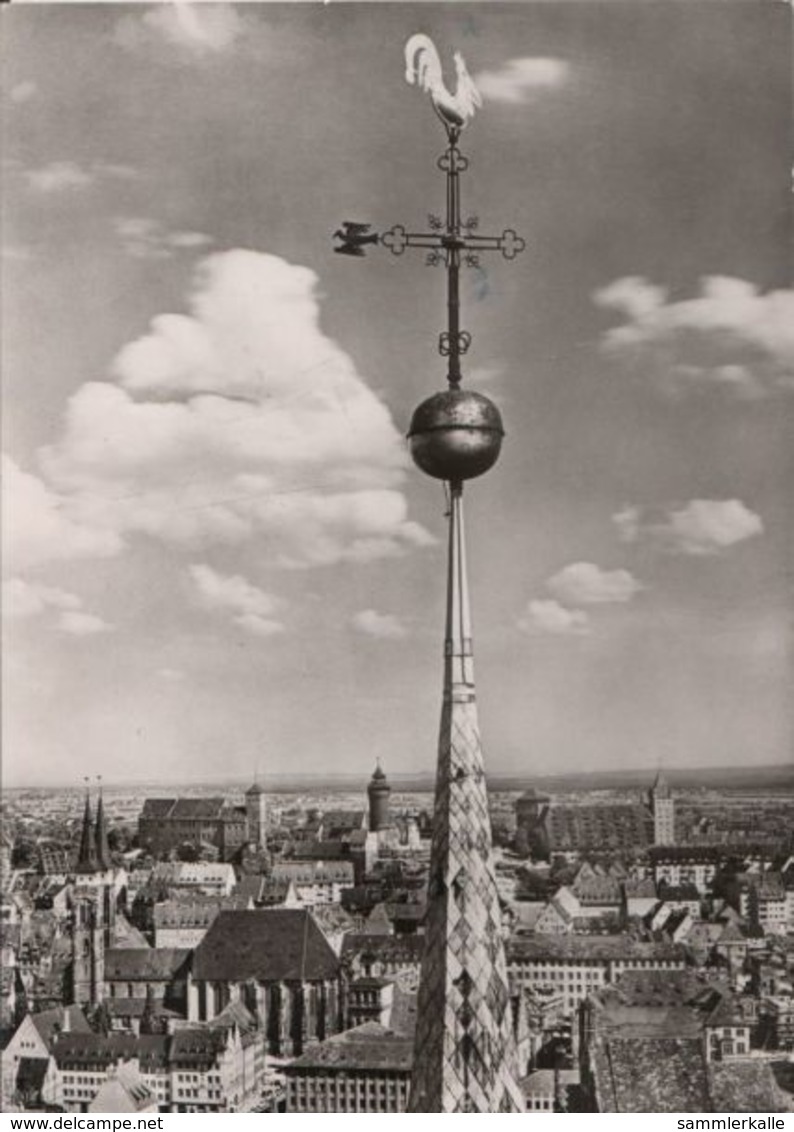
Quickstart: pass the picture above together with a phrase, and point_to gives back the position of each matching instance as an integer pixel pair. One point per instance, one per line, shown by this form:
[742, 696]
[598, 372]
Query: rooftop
[267, 944]
[50, 1023]
[651, 1074]
[141, 964]
[604, 947]
[386, 948]
[369, 1046]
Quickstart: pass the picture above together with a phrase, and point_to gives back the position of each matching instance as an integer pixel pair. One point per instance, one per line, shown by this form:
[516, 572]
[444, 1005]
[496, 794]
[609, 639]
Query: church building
[550, 828]
[166, 823]
[93, 905]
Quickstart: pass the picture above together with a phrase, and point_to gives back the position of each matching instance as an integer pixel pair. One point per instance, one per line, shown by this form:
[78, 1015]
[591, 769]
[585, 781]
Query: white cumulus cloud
[60, 176]
[79, 624]
[57, 176]
[195, 30]
[172, 675]
[544, 615]
[239, 419]
[730, 336]
[145, 238]
[253, 608]
[699, 527]
[40, 526]
[384, 625]
[23, 599]
[23, 91]
[519, 79]
[584, 583]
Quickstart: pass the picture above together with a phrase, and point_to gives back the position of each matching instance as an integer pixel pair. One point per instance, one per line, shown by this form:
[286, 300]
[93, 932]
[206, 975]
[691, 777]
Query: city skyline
[217, 549]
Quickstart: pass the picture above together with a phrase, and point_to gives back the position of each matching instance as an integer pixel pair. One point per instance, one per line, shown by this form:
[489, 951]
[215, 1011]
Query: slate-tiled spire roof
[87, 856]
[660, 788]
[101, 836]
[464, 1057]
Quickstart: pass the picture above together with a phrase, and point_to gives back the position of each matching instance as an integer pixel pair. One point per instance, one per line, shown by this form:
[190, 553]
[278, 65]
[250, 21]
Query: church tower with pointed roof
[87, 864]
[91, 900]
[101, 846]
[663, 810]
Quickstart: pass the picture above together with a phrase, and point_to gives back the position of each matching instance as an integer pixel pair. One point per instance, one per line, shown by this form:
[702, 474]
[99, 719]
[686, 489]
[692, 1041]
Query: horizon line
[307, 778]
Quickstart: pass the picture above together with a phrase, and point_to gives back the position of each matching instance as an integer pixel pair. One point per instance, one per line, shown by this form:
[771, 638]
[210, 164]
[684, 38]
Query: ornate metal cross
[453, 242]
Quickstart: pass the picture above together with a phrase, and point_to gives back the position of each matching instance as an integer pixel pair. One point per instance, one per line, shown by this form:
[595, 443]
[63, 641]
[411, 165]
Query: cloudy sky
[217, 554]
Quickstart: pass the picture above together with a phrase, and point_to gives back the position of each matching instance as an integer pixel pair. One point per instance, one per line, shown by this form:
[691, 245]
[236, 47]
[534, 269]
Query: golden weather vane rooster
[423, 66]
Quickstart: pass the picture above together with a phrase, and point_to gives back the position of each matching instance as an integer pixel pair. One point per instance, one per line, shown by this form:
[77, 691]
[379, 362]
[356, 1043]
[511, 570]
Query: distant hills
[750, 779]
[760, 779]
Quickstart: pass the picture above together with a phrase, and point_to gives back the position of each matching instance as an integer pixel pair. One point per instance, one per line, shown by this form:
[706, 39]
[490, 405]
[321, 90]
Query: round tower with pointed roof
[379, 792]
[256, 815]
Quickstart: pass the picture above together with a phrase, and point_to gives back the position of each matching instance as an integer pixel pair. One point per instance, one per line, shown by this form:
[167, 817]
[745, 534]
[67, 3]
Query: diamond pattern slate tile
[464, 1059]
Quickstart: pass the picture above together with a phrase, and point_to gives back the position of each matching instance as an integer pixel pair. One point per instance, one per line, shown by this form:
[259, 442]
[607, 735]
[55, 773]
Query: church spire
[660, 788]
[101, 833]
[464, 1053]
[86, 856]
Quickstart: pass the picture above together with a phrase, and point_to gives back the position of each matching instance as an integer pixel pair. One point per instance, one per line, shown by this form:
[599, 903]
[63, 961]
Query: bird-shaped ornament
[423, 67]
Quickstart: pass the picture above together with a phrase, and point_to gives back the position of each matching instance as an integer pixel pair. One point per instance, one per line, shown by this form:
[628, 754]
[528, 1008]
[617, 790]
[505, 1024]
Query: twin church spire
[94, 853]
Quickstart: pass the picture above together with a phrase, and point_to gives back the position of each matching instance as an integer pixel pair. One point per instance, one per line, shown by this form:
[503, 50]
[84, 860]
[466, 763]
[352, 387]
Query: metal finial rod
[446, 245]
[454, 374]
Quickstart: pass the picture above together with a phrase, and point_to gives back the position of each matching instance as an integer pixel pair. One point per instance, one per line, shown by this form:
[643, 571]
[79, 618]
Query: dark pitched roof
[708, 854]
[197, 808]
[102, 1050]
[384, 948]
[314, 872]
[50, 1023]
[745, 1086]
[192, 1048]
[336, 822]
[267, 944]
[664, 988]
[651, 1074]
[195, 1048]
[54, 860]
[639, 888]
[193, 913]
[155, 808]
[145, 964]
[591, 947]
[595, 827]
[597, 890]
[369, 1046]
[135, 1008]
[320, 851]
[670, 892]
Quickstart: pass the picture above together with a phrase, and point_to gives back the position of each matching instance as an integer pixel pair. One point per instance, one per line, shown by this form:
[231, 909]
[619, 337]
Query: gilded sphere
[456, 435]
